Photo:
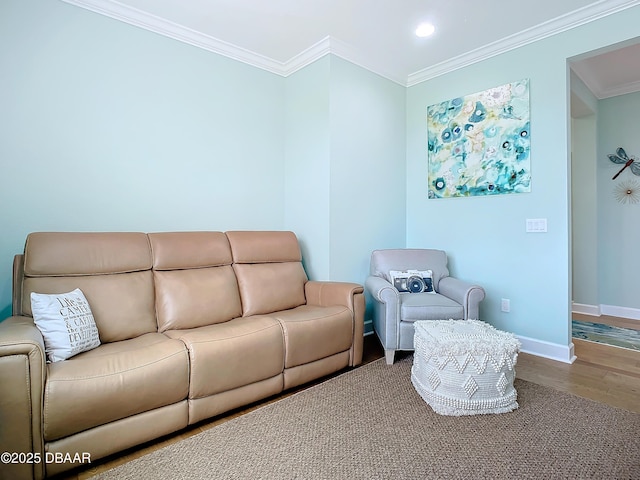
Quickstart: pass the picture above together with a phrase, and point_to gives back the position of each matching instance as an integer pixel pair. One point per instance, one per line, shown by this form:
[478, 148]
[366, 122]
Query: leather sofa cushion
[232, 354]
[268, 266]
[196, 297]
[182, 250]
[89, 253]
[194, 281]
[264, 246]
[428, 306]
[112, 269]
[112, 382]
[312, 332]
[122, 304]
[270, 287]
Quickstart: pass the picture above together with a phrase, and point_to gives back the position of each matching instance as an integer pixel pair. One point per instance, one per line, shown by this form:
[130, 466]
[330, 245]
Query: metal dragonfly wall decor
[621, 157]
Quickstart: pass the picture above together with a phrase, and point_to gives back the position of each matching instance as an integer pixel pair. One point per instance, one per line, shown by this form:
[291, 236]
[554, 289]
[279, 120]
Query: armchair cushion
[428, 306]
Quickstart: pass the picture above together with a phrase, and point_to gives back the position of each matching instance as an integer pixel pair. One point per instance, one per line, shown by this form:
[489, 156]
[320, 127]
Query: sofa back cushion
[194, 280]
[268, 266]
[112, 269]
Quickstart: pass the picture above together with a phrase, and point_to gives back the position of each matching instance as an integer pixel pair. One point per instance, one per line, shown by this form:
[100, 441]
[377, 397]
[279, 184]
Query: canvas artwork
[479, 144]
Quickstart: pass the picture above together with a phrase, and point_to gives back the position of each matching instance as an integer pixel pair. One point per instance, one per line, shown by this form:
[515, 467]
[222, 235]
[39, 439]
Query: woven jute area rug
[370, 423]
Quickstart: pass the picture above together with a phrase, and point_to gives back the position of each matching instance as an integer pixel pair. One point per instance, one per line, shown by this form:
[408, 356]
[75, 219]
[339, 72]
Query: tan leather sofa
[191, 324]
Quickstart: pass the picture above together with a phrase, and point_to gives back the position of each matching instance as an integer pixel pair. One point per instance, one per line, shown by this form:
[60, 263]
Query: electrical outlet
[506, 305]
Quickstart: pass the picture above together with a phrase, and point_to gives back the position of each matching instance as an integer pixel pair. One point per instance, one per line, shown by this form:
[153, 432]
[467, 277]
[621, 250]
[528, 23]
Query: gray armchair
[394, 312]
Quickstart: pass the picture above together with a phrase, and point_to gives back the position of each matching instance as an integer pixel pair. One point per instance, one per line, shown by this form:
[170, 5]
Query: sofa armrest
[22, 376]
[467, 294]
[331, 293]
[351, 295]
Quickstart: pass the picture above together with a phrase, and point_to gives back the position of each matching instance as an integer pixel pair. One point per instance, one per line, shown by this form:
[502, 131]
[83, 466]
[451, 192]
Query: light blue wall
[368, 172]
[584, 210]
[584, 194]
[108, 127]
[485, 236]
[368, 145]
[618, 224]
[307, 157]
[104, 126]
[345, 166]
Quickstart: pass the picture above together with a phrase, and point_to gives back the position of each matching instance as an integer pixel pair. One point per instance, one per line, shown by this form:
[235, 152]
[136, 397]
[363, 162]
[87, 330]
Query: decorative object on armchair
[394, 312]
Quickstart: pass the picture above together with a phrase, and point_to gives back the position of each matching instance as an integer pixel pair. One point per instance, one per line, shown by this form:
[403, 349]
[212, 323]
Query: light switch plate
[536, 225]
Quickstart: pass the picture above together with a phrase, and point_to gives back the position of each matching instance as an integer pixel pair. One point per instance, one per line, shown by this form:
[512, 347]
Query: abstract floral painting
[479, 144]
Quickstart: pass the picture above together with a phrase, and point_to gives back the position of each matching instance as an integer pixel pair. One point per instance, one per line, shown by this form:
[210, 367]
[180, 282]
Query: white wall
[485, 236]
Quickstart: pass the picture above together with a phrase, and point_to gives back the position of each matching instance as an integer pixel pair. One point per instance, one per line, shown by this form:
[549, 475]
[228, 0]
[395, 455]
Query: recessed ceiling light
[425, 29]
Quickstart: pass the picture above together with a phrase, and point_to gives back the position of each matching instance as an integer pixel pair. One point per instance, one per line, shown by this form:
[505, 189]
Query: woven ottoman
[464, 367]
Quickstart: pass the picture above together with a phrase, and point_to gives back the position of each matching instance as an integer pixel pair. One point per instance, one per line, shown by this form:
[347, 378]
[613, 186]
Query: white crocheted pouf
[464, 367]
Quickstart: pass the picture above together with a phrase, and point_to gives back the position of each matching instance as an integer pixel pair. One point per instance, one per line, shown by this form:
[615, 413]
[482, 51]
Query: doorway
[603, 226]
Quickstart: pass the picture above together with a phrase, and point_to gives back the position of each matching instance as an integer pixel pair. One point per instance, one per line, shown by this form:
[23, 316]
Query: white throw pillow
[412, 281]
[66, 323]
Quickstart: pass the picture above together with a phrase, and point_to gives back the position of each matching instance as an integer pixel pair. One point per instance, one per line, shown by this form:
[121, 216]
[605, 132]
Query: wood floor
[602, 373]
[609, 320]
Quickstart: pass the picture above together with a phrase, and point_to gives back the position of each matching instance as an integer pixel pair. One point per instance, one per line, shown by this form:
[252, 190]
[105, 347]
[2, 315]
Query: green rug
[600, 333]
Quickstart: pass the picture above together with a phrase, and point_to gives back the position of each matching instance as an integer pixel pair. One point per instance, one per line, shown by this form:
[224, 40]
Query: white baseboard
[540, 348]
[624, 312]
[586, 309]
[612, 310]
[553, 351]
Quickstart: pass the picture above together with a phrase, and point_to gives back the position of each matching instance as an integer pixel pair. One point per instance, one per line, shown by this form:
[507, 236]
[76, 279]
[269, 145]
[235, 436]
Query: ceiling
[284, 35]
[612, 71]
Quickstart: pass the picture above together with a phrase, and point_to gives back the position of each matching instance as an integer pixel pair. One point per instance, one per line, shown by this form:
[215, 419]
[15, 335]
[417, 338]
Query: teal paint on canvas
[479, 144]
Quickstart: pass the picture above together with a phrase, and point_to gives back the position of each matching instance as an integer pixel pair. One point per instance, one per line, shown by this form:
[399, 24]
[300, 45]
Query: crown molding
[328, 45]
[525, 37]
[307, 57]
[141, 19]
[599, 91]
[589, 78]
[147, 21]
[347, 52]
[631, 87]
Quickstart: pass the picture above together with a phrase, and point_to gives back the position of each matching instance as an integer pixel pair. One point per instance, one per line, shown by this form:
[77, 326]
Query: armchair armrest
[351, 295]
[22, 376]
[386, 313]
[467, 294]
[381, 290]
